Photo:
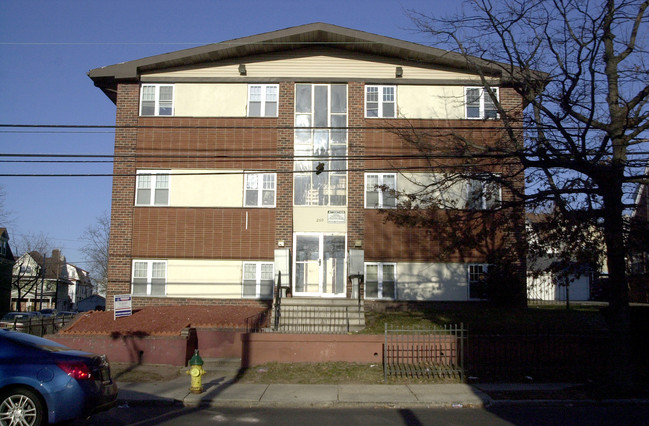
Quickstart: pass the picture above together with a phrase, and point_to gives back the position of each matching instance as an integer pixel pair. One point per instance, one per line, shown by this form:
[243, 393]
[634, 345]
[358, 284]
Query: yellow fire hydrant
[196, 372]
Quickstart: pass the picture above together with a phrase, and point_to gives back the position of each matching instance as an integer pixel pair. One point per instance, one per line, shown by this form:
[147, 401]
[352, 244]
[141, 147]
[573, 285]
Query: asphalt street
[515, 414]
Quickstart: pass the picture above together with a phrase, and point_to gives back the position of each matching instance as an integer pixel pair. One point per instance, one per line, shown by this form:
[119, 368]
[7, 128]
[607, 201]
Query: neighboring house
[92, 303]
[40, 282]
[274, 153]
[553, 275]
[7, 262]
[551, 280]
[80, 286]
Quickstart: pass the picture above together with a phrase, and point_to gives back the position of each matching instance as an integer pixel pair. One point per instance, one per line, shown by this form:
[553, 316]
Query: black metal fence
[541, 356]
[451, 352]
[430, 353]
[39, 326]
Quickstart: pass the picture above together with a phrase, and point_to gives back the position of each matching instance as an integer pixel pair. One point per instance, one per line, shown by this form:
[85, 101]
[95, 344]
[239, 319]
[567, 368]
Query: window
[320, 178]
[260, 190]
[152, 188]
[481, 195]
[479, 104]
[157, 99]
[262, 100]
[477, 276]
[258, 278]
[380, 190]
[380, 101]
[149, 277]
[380, 282]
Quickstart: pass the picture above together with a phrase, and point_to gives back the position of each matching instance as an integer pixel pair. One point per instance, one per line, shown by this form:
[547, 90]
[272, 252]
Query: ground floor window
[477, 276]
[380, 280]
[149, 277]
[258, 280]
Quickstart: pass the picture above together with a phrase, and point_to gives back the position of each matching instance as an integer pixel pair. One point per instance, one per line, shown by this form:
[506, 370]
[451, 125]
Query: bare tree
[95, 251]
[5, 215]
[581, 69]
[30, 268]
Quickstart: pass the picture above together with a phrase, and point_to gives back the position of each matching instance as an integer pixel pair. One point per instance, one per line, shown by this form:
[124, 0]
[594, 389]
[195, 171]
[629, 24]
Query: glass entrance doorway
[319, 265]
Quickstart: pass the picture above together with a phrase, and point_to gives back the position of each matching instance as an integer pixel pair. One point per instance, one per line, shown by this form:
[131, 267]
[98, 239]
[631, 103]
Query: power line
[224, 172]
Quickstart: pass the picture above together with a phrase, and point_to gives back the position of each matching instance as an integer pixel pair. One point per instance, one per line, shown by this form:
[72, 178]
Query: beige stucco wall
[205, 188]
[210, 100]
[319, 219]
[432, 281]
[315, 66]
[204, 278]
[430, 102]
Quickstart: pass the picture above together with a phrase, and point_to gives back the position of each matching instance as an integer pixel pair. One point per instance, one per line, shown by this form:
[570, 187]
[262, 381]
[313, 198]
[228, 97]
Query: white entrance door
[319, 265]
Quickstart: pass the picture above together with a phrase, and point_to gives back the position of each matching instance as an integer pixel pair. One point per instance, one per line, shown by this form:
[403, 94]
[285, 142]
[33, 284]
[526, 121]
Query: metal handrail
[278, 300]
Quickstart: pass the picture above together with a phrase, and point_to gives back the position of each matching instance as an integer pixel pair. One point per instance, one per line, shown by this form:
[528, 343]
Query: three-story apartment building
[280, 152]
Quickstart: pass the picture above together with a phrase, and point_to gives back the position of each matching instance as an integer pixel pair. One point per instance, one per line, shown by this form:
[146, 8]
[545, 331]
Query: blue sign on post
[122, 306]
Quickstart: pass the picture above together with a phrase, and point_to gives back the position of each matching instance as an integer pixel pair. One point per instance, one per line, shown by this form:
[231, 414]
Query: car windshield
[34, 341]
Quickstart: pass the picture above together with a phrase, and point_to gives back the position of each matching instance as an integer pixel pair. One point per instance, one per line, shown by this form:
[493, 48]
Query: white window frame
[380, 265]
[484, 203]
[326, 145]
[156, 100]
[469, 275]
[264, 180]
[258, 272]
[381, 193]
[382, 101]
[149, 276]
[264, 99]
[156, 178]
[484, 95]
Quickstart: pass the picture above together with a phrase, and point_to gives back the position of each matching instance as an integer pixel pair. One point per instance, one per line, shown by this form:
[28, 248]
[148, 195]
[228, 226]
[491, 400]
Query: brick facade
[267, 144]
[123, 195]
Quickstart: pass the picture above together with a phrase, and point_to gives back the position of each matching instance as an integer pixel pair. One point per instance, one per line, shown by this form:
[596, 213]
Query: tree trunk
[620, 368]
[18, 300]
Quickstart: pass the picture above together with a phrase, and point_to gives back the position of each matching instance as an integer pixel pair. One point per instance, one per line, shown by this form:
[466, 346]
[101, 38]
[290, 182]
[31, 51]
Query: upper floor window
[260, 190]
[464, 192]
[157, 99]
[479, 104]
[380, 280]
[258, 279]
[152, 188]
[481, 195]
[149, 277]
[320, 177]
[380, 101]
[262, 100]
[380, 190]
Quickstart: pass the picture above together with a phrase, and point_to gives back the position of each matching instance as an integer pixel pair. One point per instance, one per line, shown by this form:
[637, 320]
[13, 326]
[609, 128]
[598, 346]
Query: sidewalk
[221, 389]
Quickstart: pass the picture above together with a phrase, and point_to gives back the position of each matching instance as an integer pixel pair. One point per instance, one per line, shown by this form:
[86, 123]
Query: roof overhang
[310, 35]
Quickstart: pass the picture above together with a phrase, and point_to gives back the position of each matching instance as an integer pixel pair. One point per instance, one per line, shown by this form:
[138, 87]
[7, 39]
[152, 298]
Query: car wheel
[21, 407]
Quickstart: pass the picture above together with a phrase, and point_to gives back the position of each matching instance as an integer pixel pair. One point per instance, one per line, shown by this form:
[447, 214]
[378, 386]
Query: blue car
[43, 381]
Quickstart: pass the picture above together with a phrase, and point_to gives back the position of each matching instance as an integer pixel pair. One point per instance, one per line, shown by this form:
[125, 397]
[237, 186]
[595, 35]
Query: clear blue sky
[47, 47]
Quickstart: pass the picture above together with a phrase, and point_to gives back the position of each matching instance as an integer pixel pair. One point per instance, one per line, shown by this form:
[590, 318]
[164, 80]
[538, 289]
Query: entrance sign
[122, 306]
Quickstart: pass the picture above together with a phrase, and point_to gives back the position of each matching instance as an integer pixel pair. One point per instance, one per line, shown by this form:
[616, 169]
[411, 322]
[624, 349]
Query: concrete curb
[224, 392]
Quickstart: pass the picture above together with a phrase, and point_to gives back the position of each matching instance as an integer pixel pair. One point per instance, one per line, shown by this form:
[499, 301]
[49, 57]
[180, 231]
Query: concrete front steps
[319, 315]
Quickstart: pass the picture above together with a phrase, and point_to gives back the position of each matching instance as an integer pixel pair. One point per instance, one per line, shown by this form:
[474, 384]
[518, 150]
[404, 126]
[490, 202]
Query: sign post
[122, 306]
